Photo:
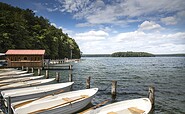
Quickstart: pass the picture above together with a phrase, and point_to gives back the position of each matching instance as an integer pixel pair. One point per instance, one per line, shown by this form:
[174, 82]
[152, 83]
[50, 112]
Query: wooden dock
[58, 67]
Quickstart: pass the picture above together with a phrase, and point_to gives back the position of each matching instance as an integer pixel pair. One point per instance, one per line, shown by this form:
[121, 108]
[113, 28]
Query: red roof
[25, 52]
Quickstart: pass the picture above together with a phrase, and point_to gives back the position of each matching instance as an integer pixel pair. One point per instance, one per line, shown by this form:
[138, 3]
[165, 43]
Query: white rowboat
[134, 106]
[13, 72]
[64, 103]
[25, 84]
[13, 80]
[15, 76]
[35, 92]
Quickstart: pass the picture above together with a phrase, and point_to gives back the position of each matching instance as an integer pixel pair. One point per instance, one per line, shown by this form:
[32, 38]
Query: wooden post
[70, 67]
[47, 74]
[27, 69]
[39, 71]
[70, 77]
[151, 95]
[9, 105]
[32, 70]
[113, 90]
[88, 82]
[22, 67]
[57, 77]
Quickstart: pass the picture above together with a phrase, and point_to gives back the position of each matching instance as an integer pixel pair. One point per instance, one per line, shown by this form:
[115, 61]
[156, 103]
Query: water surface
[134, 75]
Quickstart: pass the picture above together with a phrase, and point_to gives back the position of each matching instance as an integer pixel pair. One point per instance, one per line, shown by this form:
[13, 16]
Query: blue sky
[107, 26]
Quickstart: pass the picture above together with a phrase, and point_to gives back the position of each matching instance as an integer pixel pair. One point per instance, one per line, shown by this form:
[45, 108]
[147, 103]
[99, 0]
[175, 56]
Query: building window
[25, 58]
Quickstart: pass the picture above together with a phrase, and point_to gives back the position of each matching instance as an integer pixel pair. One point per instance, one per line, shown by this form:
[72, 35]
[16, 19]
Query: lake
[133, 75]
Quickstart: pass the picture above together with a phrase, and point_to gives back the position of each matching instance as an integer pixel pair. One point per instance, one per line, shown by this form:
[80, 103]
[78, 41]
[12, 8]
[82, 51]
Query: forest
[22, 29]
[132, 54]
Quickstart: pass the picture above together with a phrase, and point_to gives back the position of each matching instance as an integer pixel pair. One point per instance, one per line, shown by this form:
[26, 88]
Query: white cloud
[51, 10]
[35, 11]
[150, 26]
[148, 37]
[169, 20]
[54, 25]
[65, 30]
[157, 43]
[181, 17]
[91, 36]
[120, 12]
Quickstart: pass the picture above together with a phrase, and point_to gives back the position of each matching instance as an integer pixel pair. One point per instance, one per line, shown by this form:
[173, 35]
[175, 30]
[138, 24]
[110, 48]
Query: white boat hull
[15, 76]
[69, 109]
[12, 73]
[13, 80]
[35, 92]
[57, 104]
[25, 84]
[139, 106]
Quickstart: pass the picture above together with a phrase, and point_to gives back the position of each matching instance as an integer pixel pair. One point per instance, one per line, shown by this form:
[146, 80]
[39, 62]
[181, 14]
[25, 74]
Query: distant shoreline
[156, 55]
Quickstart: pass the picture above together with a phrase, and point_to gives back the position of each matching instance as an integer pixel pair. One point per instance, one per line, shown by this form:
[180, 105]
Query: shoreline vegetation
[141, 55]
[132, 54]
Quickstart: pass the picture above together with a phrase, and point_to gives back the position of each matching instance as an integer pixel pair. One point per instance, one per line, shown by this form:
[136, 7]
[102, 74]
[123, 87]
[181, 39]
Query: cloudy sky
[107, 26]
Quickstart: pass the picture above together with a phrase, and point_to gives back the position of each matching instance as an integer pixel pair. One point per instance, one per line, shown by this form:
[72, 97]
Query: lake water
[133, 75]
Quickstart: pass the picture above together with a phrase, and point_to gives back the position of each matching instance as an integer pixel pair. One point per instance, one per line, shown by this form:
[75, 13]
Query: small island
[132, 54]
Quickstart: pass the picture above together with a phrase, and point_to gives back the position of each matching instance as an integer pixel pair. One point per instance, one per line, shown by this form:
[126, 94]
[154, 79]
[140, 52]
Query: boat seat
[135, 110]
[111, 113]
[67, 99]
[70, 100]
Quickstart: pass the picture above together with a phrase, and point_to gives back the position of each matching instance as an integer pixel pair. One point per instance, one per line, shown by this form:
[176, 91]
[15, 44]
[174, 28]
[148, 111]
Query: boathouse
[26, 58]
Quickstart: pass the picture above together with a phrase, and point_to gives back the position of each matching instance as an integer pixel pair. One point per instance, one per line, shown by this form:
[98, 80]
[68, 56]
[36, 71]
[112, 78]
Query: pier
[88, 81]
[58, 67]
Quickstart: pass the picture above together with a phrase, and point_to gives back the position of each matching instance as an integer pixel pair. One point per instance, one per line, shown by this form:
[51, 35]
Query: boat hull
[139, 106]
[25, 84]
[14, 80]
[69, 109]
[57, 104]
[35, 92]
[15, 76]
[12, 73]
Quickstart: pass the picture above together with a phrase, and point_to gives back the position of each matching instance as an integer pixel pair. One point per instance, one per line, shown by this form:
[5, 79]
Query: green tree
[21, 29]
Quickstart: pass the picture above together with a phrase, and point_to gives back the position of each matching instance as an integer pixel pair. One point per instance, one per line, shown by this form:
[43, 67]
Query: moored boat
[15, 76]
[25, 84]
[14, 72]
[134, 106]
[35, 92]
[13, 80]
[64, 103]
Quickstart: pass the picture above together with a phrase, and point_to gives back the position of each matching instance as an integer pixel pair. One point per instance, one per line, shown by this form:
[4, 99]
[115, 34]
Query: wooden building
[26, 58]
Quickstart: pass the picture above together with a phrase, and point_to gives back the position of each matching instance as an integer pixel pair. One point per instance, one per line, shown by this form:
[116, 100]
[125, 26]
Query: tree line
[22, 29]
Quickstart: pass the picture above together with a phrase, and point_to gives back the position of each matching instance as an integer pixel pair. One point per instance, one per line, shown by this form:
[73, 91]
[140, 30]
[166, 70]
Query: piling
[151, 95]
[22, 67]
[70, 67]
[47, 74]
[70, 77]
[32, 70]
[9, 105]
[113, 90]
[27, 69]
[57, 77]
[39, 71]
[88, 80]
